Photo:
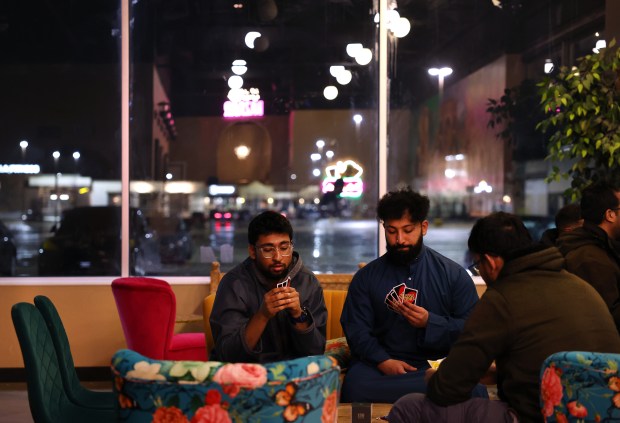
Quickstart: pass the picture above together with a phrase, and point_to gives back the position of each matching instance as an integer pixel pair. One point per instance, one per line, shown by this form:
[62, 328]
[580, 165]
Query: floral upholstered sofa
[579, 386]
[304, 389]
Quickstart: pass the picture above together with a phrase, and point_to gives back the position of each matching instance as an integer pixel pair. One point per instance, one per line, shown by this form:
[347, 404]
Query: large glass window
[233, 114]
[60, 131]
[242, 106]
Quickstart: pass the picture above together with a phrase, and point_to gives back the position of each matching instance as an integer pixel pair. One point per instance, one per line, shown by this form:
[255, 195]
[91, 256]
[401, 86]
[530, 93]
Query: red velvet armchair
[147, 309]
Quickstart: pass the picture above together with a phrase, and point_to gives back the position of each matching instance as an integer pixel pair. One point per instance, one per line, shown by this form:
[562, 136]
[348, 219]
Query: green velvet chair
[47, 398]
[76, 392]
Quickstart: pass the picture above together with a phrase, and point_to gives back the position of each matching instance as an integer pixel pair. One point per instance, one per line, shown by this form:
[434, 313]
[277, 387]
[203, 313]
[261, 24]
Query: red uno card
[400, 291]
[410, 295]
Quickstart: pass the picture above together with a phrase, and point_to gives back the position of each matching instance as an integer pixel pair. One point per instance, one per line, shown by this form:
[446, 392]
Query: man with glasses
[591, 251]
[270, 307]
[393, 335]
[531, 309]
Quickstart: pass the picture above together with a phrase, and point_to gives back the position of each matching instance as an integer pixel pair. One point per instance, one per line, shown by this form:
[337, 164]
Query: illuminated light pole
[56, 156]
[76, 159]
[440, 73]
[24, 145]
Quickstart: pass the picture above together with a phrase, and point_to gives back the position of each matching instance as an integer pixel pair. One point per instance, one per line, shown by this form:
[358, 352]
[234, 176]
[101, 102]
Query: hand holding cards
[400, 294]
[286, 282]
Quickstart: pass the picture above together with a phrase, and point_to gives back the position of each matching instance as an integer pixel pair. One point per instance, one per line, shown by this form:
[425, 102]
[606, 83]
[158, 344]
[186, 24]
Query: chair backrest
[574, 384]
[206, 314]
[216, 276]
[334, 301]
[76, 392]
[46, 395]
[61, 345]
[327, 280]
[303, 389]
[147, 309]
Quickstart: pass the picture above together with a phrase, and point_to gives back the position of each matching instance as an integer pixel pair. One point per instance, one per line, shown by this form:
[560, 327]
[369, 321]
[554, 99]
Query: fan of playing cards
[401, 293]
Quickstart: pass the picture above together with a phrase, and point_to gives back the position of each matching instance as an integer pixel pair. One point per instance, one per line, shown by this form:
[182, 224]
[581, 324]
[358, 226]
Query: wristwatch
[303, 317]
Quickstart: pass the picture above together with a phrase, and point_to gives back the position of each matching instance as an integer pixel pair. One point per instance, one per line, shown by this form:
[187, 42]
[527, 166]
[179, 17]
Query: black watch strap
[303, 317]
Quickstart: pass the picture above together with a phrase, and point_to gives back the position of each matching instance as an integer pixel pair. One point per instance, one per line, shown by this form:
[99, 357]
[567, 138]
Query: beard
[270, 274]
[404, 255]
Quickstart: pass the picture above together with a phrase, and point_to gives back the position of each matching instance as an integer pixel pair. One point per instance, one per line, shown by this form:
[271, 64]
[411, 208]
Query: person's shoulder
[442, 261]
[305, 274]
[237, 275]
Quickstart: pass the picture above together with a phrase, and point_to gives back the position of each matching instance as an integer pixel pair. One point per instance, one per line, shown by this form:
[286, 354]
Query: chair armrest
[338, 349]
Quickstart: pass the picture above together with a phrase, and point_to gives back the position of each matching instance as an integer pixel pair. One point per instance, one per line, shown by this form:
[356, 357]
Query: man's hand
[280, 299]
[416, 316]
[429, 372]
[490, 377]
[395, 367]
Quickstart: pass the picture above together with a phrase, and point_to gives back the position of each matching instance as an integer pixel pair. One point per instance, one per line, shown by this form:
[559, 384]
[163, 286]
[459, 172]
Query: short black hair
[596, 199]
[394, 204]
[568, 215]
[499, 234]
[266, 223]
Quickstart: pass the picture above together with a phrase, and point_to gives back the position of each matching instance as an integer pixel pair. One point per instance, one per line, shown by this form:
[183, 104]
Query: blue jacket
[375, 333]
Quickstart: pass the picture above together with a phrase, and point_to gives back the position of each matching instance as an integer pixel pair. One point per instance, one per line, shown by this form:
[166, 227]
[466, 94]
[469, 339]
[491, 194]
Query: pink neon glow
[244, 108]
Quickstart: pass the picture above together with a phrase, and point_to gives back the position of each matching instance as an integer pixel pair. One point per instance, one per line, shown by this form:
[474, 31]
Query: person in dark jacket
[527, 313]
[566, 219]
[391, 349]
[270, 307]
[592, 251]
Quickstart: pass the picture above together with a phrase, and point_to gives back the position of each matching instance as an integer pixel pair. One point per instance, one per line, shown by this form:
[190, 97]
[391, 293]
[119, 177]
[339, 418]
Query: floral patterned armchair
[577, 386]
[304, 389]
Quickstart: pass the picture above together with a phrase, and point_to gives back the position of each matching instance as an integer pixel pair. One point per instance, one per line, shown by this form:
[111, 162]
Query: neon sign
[29, 169]
[244, 108]
[350, 172]
[244, 103]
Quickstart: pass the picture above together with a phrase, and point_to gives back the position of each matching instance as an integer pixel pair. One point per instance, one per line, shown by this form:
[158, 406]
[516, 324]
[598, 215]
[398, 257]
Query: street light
[440, 73]
[76, 158]
[56, 156]
[24, 145]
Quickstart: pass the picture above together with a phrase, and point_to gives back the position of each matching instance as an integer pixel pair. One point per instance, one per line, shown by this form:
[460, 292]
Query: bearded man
[270, 307]
[404, 308]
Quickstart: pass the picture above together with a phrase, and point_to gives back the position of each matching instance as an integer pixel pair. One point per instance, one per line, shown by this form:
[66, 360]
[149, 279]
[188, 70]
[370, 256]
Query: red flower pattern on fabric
[616, 400]
[169, 415]
[614, 383]
[231, 390]
[243, 375]
[330, 408]
[550, 390]
[577, 409]
[213, 397]
[211, 414]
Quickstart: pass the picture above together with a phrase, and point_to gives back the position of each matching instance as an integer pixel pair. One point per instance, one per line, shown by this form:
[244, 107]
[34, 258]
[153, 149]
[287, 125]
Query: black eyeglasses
[474, 269]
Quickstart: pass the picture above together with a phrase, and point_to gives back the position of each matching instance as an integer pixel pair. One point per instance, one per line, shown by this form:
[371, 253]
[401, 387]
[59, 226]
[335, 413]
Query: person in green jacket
[531, 309]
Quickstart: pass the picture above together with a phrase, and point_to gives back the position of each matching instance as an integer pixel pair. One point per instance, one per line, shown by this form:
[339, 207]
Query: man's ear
[252, 252]
[496, 264]
[424, 225]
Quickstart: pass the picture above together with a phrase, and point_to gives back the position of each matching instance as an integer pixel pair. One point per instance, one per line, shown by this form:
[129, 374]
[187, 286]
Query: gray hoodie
[240, 295]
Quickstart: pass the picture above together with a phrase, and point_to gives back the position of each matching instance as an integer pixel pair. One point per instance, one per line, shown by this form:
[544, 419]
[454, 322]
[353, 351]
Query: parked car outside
[88, 242]
[537, 225]
[8, 251]
[175, 241]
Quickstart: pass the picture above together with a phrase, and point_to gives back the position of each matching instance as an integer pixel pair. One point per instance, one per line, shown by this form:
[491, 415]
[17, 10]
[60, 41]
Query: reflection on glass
[266, 160]
[230, 154]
